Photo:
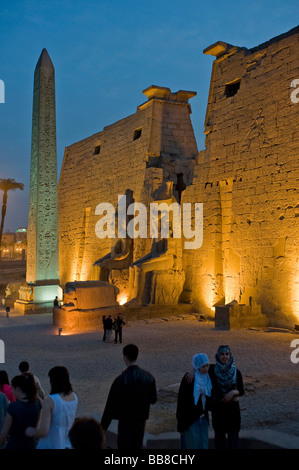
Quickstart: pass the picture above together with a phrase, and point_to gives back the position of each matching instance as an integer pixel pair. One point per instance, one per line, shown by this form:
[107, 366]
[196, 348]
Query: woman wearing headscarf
[227, 386]
[193, 404]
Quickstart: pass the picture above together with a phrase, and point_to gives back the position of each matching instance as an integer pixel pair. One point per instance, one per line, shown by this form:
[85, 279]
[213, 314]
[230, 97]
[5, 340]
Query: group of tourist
[113, 324]
[29, 420]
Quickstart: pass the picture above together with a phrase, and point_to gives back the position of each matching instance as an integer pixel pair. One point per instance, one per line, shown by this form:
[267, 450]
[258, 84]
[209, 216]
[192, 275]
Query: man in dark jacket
[129, 401]
[118, 328]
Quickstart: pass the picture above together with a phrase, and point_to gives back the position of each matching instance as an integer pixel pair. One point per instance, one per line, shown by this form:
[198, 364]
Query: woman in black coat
[227, 385]
[193, 405]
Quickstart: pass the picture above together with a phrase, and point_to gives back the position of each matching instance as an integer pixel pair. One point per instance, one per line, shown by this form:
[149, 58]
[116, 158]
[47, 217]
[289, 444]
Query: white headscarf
[202, 382]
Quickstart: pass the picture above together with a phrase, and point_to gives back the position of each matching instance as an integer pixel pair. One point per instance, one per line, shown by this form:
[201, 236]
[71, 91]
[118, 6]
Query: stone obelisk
[42, 274]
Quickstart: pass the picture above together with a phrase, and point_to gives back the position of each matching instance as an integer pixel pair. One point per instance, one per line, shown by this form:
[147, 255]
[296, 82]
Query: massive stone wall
[247, 179]
[155, 144]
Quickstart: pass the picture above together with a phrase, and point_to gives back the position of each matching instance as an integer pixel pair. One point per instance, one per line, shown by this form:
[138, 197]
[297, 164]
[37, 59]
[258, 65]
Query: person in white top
[58, 413]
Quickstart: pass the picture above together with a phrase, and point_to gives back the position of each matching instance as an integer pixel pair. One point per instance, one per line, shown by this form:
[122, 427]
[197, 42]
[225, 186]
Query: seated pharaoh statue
[26, 292]
[158, 278]
[121, 254]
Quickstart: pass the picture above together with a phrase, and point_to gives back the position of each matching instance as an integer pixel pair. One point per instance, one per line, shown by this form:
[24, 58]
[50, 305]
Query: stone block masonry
[246, 178]
[248, 181]
[155, 144]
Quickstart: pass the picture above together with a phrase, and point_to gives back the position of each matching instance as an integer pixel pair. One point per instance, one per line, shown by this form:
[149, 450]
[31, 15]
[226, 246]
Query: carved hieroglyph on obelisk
[42, 241]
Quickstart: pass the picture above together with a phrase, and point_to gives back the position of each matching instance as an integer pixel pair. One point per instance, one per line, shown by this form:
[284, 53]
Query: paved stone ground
[271, 380]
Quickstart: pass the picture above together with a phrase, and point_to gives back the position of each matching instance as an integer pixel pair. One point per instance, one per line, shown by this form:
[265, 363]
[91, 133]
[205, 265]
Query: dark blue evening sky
[105, 53]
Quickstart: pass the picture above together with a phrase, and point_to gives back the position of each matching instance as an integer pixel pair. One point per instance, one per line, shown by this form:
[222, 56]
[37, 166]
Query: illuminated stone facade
[246, 178]
[138, 153]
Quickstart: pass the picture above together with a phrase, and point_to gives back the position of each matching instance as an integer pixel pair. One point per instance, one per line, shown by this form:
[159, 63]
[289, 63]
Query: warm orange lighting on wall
[208, 294]
[122, 299]
[295, 298]
[64, 332]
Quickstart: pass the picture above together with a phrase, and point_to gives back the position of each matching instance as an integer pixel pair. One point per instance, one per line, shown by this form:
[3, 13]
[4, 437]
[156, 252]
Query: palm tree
[6, 185]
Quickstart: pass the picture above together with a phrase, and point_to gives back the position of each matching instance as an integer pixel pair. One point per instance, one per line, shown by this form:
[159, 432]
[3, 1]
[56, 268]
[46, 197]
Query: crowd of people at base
[29, 419]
